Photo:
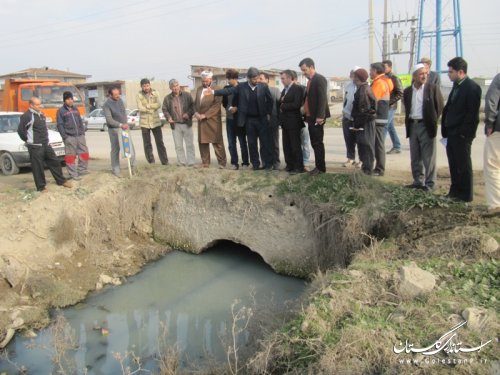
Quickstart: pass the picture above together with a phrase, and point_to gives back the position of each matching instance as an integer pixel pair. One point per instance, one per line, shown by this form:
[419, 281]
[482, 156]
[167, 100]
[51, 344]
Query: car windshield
[96, 113]
[53, 95]
[9, 123]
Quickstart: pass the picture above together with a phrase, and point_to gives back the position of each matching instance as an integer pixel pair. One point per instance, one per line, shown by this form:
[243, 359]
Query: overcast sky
[131, 39]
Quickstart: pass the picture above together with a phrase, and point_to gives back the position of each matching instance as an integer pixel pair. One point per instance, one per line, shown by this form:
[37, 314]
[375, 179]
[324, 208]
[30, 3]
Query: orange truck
[16, 93]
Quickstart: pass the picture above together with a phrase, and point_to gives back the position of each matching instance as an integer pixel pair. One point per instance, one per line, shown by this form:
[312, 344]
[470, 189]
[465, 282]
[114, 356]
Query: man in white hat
[423, 103]
[208, 113]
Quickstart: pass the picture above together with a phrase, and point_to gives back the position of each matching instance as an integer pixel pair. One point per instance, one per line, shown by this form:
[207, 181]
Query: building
[96, 93]
[336, 87]
[47, 73]
[219, 75]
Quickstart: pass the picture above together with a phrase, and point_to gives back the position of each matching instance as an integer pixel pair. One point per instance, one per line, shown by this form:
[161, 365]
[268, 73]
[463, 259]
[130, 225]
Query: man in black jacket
[233, 131]
[459, 125]
[72, 130]
[255, 105]
[33, 130]
[291, 122]
[316, 111]
[423, 105]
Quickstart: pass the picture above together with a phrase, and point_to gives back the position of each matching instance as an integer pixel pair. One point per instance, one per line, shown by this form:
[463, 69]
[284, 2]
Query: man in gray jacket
[116, 119]
[492, 147]
[178, 108]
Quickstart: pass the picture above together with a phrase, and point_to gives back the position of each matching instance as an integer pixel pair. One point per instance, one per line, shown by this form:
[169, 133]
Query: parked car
[95, 120]
[13, 151]
[133, 118]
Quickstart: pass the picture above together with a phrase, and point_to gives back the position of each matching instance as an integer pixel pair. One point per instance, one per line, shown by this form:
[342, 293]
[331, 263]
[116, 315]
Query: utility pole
[371, 33]
[385, 49]
[397, 41]
[439, 32]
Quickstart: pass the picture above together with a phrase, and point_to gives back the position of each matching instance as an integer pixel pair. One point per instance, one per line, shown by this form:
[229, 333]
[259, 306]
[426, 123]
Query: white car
[13, 151]
[96, 120]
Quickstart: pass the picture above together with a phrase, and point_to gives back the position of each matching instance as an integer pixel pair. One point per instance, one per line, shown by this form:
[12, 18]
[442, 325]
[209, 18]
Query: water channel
[189, 295]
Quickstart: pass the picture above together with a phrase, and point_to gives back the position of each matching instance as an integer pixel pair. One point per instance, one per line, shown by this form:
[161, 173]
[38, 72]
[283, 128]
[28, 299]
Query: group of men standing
[254, 112]
[367, 115]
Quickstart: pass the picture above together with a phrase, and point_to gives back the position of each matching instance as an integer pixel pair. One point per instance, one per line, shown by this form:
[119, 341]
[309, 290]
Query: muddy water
[190, 295]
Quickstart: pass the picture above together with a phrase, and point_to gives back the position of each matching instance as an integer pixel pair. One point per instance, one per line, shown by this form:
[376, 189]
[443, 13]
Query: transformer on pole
[438, 34]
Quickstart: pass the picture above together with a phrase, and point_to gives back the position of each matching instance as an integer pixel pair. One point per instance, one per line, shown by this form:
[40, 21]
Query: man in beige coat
[208, 114]
[148, 103]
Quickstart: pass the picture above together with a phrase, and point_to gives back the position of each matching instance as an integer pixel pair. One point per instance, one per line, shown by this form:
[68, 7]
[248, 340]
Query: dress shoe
[315, 172]
[68, 184]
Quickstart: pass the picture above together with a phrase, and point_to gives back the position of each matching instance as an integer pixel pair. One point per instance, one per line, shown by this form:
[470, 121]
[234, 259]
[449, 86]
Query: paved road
[99, 147]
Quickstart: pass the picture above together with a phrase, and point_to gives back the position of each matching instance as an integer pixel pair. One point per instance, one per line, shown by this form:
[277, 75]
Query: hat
[417, 68]
[252, 72]
[67, 95]
[355, 68]
[206, 74]
[361, 74]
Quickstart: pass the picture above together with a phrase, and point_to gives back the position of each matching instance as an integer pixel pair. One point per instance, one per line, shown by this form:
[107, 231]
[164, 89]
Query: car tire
[8, 164]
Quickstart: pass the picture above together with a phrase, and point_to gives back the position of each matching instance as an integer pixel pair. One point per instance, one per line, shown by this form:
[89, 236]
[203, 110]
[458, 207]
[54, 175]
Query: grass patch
[339, 189]
[404, 199]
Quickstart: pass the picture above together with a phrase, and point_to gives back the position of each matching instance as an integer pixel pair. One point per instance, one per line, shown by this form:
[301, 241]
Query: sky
[132, 39]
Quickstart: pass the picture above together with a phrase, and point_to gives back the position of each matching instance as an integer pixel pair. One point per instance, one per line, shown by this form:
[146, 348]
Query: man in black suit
[423, 105]
[255, 105]
[316, 111]
[291, 122]
[459, 125]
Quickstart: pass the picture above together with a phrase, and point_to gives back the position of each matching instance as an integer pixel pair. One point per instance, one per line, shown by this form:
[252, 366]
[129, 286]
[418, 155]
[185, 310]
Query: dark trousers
[39, 156]
[380, 149]
[316, 133]
[234, 133]
[292, 148]
[365, 140]
[274, 134]
[460, 163]
[349, 139]
[258, 133]
[148, 147]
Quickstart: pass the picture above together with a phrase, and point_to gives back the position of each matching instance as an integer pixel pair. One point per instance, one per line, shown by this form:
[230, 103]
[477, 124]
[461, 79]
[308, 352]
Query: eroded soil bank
[57, 247]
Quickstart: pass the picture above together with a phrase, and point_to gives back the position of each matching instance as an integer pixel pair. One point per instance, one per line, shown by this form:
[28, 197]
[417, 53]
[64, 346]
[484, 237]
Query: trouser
[220, 153]
[76, 148]
[389, 128]
[458, 151]
[39, 156]
[492, 170]
[316, 133]
[305, 144]
[292, 149]
[349, 138]
[115, 138]
[422, 155]
[235, 132]
[160, 146]
[274, 138]
[258, 133]
[183, 133]
[365, 139]
[379, 149]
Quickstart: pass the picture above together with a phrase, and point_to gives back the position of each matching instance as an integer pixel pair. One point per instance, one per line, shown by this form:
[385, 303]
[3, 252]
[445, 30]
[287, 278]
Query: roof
[2, 113]
[100, 83]
[45, 71]
[217, 70]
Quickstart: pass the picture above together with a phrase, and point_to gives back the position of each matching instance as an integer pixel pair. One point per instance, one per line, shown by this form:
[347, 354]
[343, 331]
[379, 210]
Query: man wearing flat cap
[208, 113]
[72, 130]
[423, 103]
[255, 106]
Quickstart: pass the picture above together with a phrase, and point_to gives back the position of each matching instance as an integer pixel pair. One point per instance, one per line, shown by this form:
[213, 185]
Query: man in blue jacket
[255, 106]
[72, 130]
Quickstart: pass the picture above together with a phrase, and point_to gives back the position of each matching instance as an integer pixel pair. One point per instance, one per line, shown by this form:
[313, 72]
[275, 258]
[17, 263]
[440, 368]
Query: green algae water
[186, 296]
